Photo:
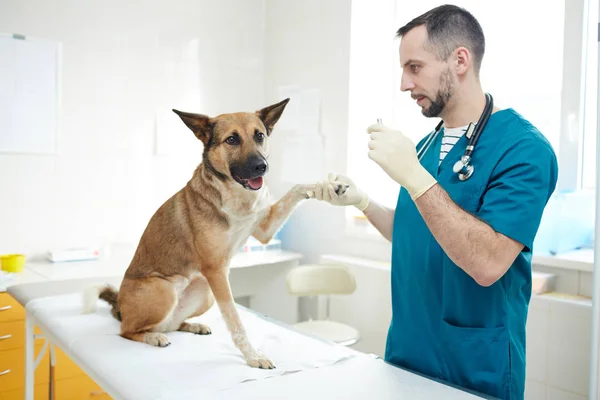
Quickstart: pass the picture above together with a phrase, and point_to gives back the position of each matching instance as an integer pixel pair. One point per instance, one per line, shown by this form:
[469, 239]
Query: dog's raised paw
[304, 191]
[199, 329]
[157, 339]
[341, 188]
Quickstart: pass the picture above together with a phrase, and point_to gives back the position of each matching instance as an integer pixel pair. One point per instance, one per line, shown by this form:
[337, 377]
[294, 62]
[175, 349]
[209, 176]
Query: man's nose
[406, 84]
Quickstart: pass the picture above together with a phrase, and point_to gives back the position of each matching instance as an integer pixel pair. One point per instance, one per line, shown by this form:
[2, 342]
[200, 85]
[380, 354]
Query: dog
[181, 264]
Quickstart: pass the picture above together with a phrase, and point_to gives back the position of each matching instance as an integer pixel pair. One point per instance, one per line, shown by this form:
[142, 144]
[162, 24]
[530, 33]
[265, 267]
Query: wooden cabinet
[71, 381]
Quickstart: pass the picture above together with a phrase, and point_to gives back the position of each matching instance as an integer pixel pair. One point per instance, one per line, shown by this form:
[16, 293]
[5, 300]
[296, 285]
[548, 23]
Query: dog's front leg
[280, 211]
[219, 284]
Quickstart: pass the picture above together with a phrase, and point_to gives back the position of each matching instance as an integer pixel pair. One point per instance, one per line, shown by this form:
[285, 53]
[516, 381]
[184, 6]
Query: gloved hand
[396, 155]
[349, 193]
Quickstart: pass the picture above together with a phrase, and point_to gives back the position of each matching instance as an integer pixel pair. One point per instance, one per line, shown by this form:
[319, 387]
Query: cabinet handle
[6, 336]
[5, 308]
[5, 372]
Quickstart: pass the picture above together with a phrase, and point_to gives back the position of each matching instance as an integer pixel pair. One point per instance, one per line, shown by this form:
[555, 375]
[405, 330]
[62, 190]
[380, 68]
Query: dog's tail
[105, 292]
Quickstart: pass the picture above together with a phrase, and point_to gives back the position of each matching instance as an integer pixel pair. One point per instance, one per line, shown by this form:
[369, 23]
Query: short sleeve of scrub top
[519, 188]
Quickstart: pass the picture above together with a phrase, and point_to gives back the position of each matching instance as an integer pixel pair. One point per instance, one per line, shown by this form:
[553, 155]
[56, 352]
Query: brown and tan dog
[181, 264]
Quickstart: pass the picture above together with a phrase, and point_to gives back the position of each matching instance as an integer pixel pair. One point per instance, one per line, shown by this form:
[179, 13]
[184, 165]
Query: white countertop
[38, 271]
[26, 276]
[579, 260]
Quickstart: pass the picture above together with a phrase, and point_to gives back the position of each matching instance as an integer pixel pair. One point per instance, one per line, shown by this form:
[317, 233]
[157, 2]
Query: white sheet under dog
[192, 366]
[210, 367]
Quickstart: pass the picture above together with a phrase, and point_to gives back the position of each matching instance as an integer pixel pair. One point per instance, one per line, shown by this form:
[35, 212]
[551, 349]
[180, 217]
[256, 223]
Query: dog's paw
[259, 360]
[199, 329]
[340, 188]
[304, 191]
[156, 339]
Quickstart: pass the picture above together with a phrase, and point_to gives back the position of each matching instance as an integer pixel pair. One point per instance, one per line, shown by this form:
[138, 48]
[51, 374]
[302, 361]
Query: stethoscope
[463, 167]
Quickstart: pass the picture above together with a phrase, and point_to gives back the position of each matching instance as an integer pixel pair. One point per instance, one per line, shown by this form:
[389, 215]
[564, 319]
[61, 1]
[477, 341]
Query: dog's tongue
[255, 183]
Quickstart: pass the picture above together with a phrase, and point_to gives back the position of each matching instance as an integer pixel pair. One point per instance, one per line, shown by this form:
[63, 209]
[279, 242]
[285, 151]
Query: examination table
[208, 367]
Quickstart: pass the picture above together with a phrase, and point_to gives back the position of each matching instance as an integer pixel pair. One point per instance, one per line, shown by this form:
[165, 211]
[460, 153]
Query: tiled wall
[558, 349]
[559, 338]
[570, 281]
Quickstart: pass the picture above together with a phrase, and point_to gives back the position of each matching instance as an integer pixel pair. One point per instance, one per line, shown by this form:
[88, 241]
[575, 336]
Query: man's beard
[443, 95]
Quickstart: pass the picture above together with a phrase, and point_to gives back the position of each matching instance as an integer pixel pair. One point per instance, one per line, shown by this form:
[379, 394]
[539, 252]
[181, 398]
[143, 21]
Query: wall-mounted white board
[29, 94]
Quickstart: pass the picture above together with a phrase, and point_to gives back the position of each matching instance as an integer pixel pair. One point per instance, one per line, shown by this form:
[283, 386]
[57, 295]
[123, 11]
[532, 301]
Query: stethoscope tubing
[487, 112]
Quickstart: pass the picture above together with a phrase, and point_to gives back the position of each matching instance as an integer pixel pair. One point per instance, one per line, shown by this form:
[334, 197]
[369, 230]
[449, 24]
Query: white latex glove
[349, 193]
[396, 155]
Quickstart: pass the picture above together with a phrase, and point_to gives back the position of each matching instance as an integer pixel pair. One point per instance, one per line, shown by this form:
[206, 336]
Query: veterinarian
[461, 247]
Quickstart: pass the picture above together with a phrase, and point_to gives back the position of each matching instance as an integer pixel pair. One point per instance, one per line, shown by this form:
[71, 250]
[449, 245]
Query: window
[544, 68]
[590, 96]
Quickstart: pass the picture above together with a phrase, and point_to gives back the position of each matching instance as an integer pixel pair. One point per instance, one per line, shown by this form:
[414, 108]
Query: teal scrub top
[444, 324]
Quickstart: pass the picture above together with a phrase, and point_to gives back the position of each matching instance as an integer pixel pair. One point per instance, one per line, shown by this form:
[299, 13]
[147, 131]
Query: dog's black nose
[258, 165]
[261, 167]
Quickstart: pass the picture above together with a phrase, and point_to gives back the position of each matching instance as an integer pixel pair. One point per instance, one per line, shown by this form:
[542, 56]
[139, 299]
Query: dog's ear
[270, 115]
[200, 124]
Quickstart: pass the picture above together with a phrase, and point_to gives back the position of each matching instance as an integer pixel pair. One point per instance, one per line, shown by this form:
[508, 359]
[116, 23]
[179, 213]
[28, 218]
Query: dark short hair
[450, 27]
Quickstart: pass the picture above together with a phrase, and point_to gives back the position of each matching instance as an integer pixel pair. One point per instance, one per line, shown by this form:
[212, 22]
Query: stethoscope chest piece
[463, 168]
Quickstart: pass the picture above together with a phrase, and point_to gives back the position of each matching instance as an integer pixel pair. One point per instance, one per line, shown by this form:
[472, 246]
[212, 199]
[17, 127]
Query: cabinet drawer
[12, 335]
[10, 309]
[79, 388]
[12, 368]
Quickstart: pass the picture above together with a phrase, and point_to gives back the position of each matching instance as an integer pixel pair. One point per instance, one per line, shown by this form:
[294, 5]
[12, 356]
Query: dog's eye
[259, 136]
[232, 140]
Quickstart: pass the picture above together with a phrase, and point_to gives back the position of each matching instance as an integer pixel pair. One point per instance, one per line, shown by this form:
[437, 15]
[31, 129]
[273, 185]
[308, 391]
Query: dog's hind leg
[195, 300]
[152, 338]
[147, 306]
[199, 329]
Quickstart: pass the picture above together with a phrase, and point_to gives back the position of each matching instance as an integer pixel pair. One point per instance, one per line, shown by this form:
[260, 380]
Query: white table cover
[192, 365]
[210, 367]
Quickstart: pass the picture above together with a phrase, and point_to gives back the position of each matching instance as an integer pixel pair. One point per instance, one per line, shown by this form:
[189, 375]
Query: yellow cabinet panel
[12, 335]
[40, 392]
[10, 309]
[79, 388]
[65, 367]
[13, 361]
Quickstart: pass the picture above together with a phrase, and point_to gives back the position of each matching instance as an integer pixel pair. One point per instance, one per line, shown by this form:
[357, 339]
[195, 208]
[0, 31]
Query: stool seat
[329, 330]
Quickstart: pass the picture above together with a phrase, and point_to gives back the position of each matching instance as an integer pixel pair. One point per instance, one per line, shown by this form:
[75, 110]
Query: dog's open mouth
[250, 184]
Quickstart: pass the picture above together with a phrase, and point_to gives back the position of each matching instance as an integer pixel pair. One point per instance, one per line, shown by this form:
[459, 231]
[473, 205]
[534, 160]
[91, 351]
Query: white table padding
[193, 365]
[210, 367]
[361, 377]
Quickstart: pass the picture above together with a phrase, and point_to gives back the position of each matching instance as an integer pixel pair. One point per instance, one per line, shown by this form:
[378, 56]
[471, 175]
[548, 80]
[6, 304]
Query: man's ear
[198, 123]
[463, 60]
[270, 115]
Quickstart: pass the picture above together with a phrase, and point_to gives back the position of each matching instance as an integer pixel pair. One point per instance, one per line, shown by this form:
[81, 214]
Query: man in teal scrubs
[461, 250]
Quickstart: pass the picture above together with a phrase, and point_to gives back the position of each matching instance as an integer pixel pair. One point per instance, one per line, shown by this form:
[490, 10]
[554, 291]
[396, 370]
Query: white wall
[124, 62]
[107, 180]
[308, 43]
